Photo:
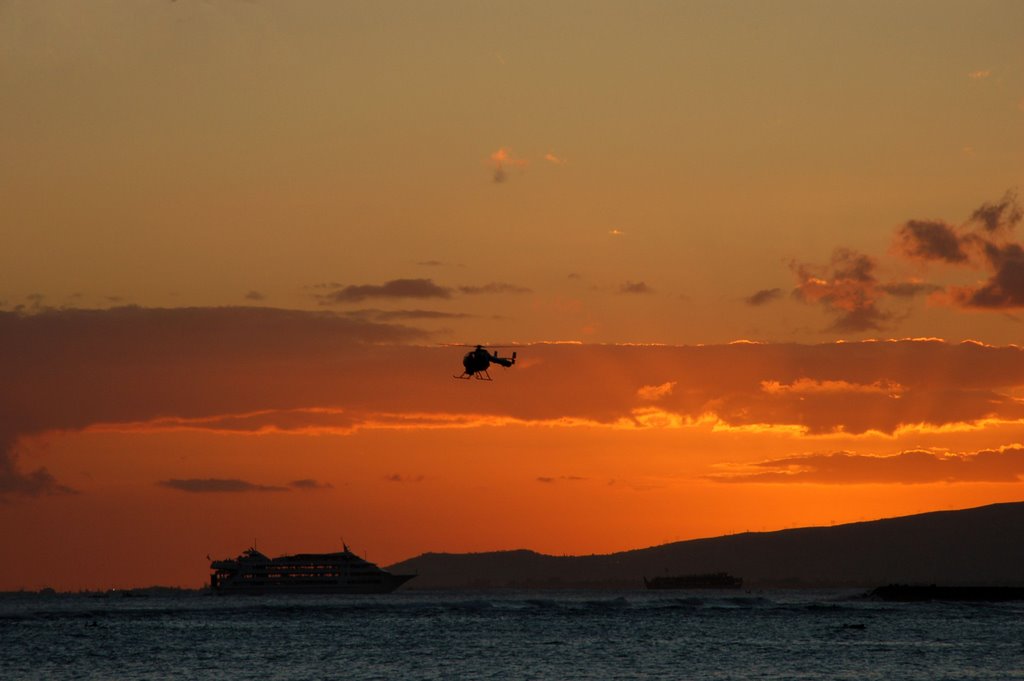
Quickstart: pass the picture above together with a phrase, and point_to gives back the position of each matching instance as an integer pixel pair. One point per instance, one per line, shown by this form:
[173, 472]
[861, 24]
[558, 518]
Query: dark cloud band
[264, 370]
[214, 485]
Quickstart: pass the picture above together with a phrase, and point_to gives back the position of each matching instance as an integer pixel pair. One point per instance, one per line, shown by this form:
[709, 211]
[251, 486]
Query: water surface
[509, 635]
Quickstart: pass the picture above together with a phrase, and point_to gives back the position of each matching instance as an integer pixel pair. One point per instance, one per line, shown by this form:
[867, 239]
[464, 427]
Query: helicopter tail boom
[504, 361]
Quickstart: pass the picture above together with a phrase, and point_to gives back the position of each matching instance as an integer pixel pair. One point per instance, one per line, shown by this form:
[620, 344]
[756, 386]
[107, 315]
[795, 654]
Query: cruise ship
[304, 573]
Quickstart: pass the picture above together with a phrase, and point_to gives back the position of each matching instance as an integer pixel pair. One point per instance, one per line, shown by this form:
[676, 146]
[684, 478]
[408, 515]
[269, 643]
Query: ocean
[508, 635]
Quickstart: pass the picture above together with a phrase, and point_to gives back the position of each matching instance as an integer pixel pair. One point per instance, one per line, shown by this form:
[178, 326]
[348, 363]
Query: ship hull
[385, 586]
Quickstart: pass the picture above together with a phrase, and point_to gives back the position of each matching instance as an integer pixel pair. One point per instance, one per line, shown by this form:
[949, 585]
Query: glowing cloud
[655, 392]
[807, 386]
[909, 467]
[503, 159]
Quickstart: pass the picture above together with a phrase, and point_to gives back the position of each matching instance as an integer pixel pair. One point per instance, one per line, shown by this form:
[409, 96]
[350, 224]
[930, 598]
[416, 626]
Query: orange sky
[237, 237]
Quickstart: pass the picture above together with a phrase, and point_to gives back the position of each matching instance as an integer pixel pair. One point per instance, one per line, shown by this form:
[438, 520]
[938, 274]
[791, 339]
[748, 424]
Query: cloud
[255, 295]
[635, 287]
[404, 315]
[494, 287]
[979, 74]
[934, 240]
[408, 288]
[396, 288]
[763, 297]
[251, 370]
[561, 478]
[313, 420]
[501, 160]
[931, 240]
[35, 304]
[1005, 287]
[14, 482]
[135, 364]
[398, 477]
[215, 485]
[309, 484]
[552, 158]
[1004, 214]
[908, 467]
[807, 386]
[846, 288]
[909, 289]
[982, 242]
[655, 392]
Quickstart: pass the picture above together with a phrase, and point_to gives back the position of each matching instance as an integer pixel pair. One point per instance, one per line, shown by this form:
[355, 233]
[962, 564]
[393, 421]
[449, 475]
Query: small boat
[715, 580]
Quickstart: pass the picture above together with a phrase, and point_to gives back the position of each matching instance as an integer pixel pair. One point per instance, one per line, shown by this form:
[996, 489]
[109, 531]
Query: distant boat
[304, 573]
[715, 580]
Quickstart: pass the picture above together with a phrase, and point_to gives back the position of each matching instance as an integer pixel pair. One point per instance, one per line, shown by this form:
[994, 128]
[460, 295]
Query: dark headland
[973, 547]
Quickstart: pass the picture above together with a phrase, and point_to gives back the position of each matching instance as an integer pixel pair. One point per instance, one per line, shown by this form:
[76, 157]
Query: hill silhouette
[977, 546]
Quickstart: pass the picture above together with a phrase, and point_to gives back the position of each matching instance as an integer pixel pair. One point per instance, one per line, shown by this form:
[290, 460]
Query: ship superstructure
[340, 572]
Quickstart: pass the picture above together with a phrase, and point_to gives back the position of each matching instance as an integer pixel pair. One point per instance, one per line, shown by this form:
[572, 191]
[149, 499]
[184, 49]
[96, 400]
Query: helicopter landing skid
[479, 375]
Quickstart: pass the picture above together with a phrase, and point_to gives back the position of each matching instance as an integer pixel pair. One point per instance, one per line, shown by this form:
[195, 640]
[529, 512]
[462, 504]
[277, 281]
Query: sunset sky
[762, 263]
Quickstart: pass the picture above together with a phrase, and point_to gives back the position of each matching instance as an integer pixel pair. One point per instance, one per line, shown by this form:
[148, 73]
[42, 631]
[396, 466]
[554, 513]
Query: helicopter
[477, 360]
